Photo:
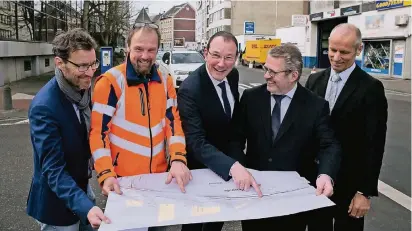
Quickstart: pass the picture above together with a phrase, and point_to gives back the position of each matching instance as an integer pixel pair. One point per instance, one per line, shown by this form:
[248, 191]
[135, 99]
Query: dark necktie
[226, 103]
[276, 115]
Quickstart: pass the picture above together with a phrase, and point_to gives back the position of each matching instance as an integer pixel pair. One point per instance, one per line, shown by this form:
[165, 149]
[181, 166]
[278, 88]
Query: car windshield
[178, 58]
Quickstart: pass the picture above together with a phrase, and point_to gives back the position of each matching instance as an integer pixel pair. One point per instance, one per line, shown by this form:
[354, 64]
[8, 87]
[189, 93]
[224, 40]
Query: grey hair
[292, 56]
[349, 28]
[70, 41]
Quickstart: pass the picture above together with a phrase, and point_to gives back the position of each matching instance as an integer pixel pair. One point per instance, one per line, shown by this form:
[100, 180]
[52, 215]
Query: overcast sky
[157, 6]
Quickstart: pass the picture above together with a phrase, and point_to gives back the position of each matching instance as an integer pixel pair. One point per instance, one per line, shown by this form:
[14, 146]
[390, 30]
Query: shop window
[47, 62]
[27, 65]
[376, 56]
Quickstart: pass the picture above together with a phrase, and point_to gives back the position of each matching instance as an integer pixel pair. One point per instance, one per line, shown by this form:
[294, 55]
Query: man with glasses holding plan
[59, 118]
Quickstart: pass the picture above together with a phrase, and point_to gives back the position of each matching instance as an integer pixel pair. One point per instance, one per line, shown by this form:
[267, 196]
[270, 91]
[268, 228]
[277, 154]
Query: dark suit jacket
[204, 122]
[60, 152]
[359, 119]
[303, 137]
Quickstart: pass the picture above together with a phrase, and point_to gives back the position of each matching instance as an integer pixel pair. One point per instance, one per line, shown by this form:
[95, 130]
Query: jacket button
[270, 159]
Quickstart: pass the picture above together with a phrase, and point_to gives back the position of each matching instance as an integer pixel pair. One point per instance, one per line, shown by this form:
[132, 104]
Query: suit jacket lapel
[323, 83]
[70, 112]
[347, 90]
[291, 114]
[265, 114]
[207, 82]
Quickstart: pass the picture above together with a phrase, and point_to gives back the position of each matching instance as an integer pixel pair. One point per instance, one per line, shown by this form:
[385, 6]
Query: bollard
[7, 100]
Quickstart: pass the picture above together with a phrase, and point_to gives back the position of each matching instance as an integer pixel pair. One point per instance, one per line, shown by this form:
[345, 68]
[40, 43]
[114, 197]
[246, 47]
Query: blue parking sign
[249, 27]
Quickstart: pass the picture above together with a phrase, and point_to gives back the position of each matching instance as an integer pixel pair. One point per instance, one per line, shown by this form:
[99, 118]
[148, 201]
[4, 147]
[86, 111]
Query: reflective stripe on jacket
[133, 120]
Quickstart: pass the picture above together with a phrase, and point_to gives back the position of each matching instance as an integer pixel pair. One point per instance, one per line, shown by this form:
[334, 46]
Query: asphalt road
[385, 215]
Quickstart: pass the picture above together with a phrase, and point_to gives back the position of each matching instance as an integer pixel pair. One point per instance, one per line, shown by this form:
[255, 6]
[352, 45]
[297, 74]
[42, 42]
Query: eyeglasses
[225, 58]
[84, 68]
[271, 72]
[145, 24]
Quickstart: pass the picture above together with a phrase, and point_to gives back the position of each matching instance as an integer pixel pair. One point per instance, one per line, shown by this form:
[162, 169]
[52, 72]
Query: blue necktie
[276, 115]
[226, 103]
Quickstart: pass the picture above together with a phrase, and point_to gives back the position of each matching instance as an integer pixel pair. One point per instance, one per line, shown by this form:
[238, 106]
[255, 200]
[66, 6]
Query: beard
[144, 69]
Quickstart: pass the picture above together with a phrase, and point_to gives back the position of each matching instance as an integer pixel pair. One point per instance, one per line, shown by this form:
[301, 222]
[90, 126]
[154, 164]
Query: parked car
[179, 64]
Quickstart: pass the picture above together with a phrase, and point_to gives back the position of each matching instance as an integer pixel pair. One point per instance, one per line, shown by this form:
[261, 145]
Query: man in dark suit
[286, 128]
[59, 124]
[206, 100]
[359, 112]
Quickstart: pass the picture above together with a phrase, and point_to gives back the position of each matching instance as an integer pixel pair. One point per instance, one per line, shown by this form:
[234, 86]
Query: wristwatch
[365, 195]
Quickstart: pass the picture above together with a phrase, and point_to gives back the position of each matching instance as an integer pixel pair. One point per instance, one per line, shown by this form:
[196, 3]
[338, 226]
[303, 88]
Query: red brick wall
[188, 35]
[183, 24]
[184, 13]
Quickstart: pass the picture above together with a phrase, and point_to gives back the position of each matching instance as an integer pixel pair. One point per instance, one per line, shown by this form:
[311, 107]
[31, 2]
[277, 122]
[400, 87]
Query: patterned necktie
[226, 103]
[333, 93]
[276, 115]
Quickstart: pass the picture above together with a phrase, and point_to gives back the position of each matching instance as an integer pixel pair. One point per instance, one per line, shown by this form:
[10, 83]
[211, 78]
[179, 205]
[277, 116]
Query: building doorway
[324, 29]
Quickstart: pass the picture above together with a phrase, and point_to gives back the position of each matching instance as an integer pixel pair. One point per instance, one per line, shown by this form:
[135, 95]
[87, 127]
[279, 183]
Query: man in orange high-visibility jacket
[135, 117]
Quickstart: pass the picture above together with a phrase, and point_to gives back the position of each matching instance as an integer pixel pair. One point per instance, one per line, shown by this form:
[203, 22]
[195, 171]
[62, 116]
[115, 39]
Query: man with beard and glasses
[206, 100]
[59, 118]
[135, 117]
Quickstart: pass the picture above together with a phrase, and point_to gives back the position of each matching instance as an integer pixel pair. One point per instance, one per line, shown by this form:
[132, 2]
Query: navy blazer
[60, 152]
[204, 122]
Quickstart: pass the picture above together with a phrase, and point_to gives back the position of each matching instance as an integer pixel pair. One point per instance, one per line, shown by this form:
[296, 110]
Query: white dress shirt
[284, 103]
[344, 75]
[219, 91]
[76, 109]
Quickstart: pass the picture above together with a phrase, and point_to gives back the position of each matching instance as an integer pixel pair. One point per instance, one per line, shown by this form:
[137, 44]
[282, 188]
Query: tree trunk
[85, 16]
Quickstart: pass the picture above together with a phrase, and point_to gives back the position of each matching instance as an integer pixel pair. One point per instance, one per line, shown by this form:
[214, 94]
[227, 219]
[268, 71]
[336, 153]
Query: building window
[47, 62]
[5, 5]
[5, 19]
[376, 56]
[27, 65]
[5, 34]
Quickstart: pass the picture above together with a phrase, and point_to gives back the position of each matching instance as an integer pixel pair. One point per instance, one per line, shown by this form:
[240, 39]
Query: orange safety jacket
[134, 119]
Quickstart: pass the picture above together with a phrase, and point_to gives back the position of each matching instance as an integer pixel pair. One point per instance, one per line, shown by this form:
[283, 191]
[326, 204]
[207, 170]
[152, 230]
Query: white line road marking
[244, 88]
[255, 84]
[390, 92]
[13, 119]
[394, 195]
[26, 121]
[22, 96]
[244, 85]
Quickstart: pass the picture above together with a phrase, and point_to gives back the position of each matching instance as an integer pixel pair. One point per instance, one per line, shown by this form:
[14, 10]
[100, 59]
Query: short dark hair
[227, 36]
[148, 27]
[70, 41]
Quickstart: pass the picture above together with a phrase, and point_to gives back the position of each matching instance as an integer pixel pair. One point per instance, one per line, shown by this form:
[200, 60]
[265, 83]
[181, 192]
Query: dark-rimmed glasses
[84, 68]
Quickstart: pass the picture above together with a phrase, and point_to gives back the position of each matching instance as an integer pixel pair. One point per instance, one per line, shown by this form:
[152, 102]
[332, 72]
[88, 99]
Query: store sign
[316, 16]
[249, 27]
[331, 14]
[300, 20]
[350, 10]
[390, 4]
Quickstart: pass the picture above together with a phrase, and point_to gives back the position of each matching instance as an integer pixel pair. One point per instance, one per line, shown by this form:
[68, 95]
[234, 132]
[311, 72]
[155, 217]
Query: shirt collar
[291, 93]
[214, 81]
[344, 75]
